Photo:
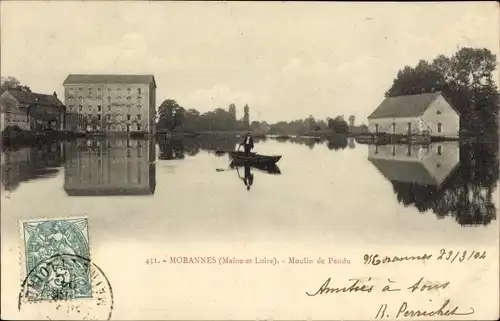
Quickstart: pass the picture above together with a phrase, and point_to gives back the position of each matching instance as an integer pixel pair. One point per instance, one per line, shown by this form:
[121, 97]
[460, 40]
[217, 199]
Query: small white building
[421, 114]
[31, 111]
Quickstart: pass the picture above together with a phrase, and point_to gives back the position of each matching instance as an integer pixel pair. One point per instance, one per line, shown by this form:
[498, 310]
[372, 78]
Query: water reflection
[28, 163]
[449, 179]
[248, 176]
[110, 167]
[333, 142]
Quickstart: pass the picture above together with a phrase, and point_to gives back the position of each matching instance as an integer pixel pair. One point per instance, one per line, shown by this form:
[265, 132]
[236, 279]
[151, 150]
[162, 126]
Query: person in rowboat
[247, 143]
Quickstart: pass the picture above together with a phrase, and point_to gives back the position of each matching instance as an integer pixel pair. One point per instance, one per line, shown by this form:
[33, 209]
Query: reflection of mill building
[113, 103]
[110, 167]
[425, 165]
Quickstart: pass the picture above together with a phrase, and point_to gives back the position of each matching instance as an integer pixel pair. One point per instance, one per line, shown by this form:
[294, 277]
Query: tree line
[173, 117]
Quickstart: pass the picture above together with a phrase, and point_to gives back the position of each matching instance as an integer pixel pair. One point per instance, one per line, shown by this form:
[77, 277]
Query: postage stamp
[44, 239]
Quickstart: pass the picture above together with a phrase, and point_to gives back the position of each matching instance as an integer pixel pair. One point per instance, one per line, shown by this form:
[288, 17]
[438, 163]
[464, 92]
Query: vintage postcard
[167, 160]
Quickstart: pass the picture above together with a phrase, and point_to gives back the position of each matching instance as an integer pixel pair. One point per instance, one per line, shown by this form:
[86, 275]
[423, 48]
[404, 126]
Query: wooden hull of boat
[239, 158]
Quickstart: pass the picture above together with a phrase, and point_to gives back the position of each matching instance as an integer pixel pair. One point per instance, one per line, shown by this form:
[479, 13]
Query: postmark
[44, 239]
[55, 280]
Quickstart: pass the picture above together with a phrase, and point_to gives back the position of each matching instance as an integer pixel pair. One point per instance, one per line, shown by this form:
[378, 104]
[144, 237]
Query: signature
[442, 310]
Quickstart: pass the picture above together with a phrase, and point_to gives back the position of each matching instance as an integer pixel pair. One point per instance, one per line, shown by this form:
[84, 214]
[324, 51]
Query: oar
[220, 151]
[224, 151]
[224, 169]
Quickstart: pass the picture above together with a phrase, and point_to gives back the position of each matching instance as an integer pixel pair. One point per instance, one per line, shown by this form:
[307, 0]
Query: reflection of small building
[425, 165]
[110, 167]
[32, 111]
[423, 114]
[30, 163]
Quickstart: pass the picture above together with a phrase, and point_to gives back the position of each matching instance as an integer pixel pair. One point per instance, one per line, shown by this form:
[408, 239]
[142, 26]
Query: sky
[286, 60]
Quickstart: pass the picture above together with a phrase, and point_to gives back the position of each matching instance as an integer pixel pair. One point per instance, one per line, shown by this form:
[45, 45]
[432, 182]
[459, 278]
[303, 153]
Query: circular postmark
[66, 286]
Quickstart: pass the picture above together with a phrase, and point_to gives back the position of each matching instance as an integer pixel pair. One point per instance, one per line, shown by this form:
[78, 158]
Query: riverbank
[17, 137]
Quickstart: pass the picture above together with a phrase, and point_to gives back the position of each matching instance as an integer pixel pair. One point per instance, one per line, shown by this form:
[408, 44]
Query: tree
[311, 124]
[466, 79]
[352, 120]
[192, 120]
[246, 117]
[170, 115]
[338, 125]
[12, 83]
[232, 111]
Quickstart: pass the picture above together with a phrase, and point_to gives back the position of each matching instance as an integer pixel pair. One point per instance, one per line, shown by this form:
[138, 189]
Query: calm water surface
[336, 191]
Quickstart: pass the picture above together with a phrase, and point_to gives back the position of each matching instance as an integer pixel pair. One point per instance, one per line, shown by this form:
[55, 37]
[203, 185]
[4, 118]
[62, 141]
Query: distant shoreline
[28, 138]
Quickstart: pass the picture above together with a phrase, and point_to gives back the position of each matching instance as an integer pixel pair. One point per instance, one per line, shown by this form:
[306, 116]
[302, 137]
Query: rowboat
[240, 158]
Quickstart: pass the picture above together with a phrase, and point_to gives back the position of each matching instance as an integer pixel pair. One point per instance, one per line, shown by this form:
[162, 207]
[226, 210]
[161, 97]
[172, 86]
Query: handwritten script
[450, 256]
[366, 285]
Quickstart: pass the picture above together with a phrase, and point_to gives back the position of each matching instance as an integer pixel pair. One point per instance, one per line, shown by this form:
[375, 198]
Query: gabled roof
[76, 79]
[24, 97]
[405, 106]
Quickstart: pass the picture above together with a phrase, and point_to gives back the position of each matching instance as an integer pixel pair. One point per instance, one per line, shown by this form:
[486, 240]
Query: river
[335, 191]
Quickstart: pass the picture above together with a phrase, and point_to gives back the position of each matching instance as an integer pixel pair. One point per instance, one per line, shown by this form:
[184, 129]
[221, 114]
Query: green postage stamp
[53, 254]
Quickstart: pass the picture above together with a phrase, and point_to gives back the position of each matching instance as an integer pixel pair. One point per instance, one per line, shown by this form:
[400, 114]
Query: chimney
[55, 94]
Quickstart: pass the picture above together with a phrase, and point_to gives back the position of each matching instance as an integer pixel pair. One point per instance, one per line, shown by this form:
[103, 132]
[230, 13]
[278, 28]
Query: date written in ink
[444, 255]
[460, 256]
